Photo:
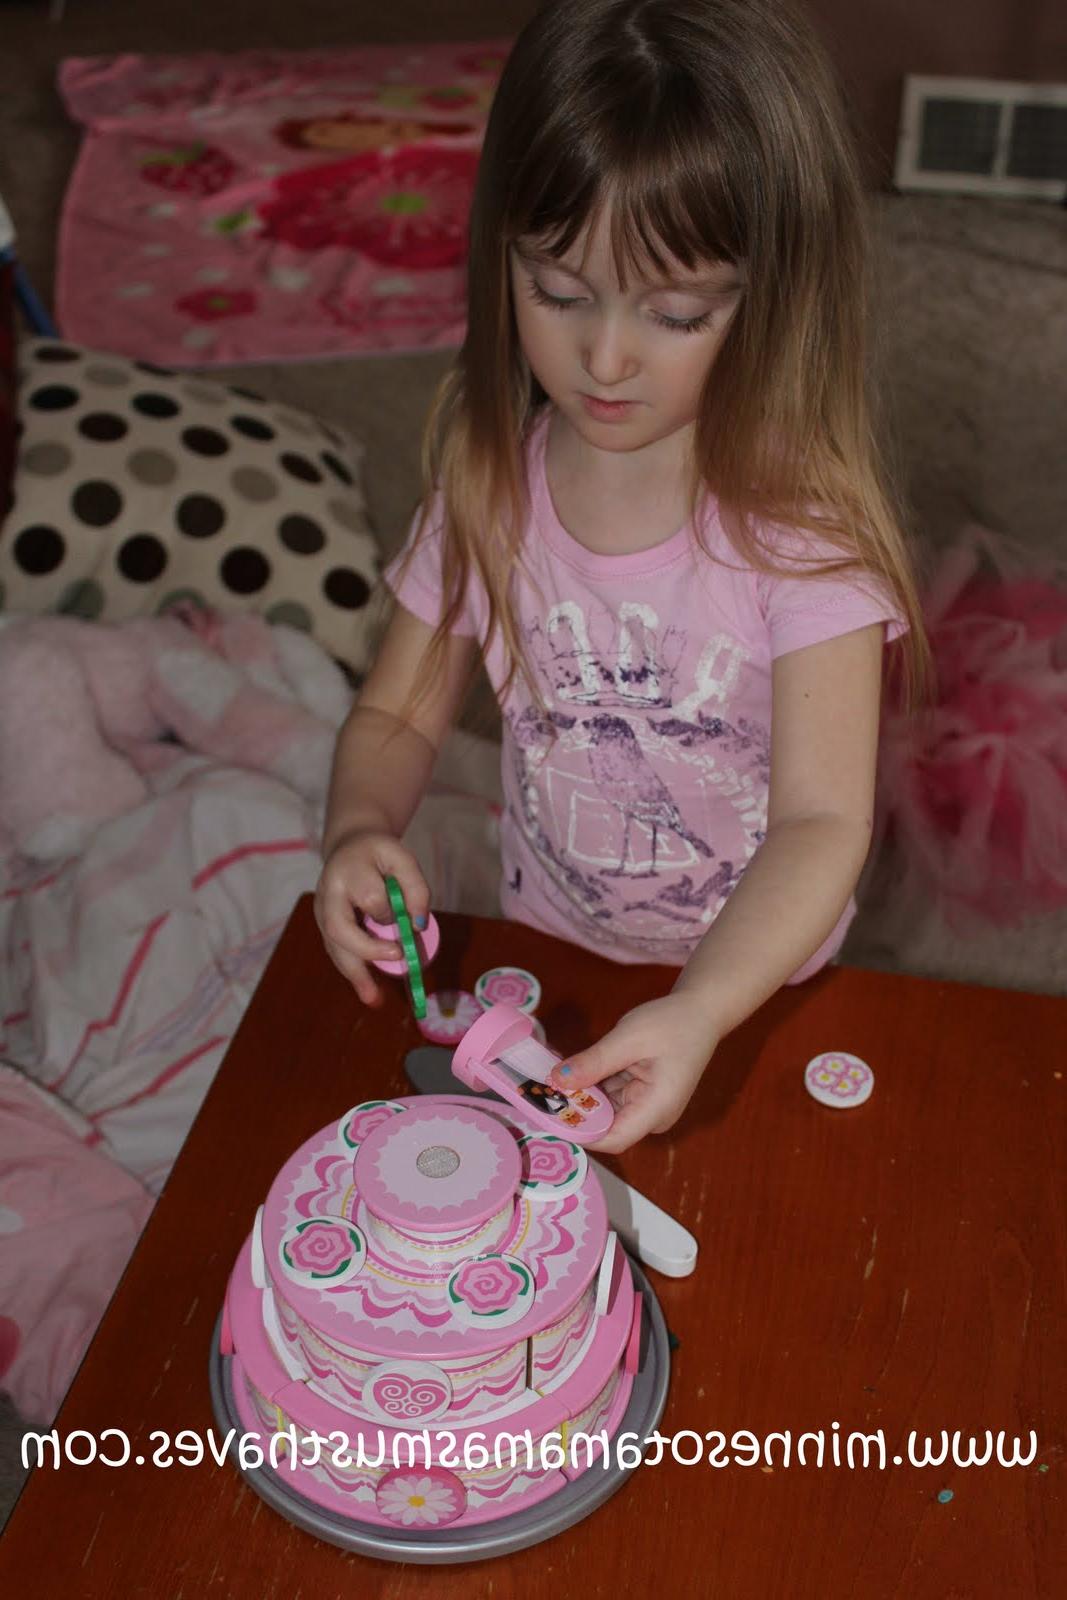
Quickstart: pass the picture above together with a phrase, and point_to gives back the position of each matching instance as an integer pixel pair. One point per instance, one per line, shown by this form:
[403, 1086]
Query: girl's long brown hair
[713, 129]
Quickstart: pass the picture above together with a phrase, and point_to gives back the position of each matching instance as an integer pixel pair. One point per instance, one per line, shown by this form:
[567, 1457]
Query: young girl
[654, 511]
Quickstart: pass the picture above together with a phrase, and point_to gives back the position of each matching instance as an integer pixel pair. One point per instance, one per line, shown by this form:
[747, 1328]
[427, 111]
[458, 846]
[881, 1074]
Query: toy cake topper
[500, 1052]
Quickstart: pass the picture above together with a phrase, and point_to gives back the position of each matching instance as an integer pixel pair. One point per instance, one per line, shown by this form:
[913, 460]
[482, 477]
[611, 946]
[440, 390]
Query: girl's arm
[824, 742]
[384, 758]
[824, 739]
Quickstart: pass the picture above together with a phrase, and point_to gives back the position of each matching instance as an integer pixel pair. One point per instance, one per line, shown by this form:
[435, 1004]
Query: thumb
[590, 1066]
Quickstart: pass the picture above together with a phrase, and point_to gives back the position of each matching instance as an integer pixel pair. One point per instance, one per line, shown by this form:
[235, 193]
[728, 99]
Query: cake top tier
[432, 1166]
[437, 1169]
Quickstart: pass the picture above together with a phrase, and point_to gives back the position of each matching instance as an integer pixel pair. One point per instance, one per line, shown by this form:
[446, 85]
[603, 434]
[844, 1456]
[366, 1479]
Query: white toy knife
[654, 1236]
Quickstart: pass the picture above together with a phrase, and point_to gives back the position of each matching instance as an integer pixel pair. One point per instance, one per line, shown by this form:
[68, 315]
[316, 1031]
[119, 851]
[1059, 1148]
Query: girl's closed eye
[566, 303]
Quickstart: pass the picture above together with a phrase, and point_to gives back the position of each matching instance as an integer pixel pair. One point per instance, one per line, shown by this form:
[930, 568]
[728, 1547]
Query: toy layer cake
[433, 1264]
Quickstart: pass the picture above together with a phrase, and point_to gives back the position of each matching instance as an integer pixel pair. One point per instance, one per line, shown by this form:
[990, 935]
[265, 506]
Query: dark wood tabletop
[900, 1265]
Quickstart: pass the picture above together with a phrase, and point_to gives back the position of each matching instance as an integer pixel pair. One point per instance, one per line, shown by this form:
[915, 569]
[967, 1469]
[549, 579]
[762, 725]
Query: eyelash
[690, 325]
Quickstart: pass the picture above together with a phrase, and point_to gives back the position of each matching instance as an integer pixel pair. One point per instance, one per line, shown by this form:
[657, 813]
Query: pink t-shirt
[634, 805]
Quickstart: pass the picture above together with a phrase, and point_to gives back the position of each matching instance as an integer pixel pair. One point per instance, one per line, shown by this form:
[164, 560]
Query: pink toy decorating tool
[419, 948]
[500, 1052]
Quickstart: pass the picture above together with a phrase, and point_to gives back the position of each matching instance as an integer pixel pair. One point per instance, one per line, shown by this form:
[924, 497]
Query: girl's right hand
[353, 880]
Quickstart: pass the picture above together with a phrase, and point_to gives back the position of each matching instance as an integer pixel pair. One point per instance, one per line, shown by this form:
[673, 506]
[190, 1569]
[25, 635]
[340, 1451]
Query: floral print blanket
[272, 205]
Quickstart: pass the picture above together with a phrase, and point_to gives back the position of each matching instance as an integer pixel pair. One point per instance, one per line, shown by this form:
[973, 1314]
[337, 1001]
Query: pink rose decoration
[322, 1248]
[504, 988]
[489, 1285]
[550, 1160]
[363, 1121]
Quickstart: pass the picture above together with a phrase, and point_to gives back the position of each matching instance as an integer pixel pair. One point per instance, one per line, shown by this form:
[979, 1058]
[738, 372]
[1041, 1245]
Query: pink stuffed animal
[90, 713]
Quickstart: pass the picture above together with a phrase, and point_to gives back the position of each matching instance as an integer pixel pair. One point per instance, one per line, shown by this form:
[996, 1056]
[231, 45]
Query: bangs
[669, 188]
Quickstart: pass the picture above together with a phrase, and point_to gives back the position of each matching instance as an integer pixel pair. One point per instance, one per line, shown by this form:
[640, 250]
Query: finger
[401, 864]
[612, 1054]
[642, 1110]
[339, 924]
[631, 1124]
[357, 974]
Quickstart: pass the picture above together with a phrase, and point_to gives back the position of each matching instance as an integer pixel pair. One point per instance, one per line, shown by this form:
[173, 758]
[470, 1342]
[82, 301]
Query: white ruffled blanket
[126, 969]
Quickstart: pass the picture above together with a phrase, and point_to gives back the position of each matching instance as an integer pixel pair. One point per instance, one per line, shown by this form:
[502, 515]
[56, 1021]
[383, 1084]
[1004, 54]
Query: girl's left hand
[648, 1066]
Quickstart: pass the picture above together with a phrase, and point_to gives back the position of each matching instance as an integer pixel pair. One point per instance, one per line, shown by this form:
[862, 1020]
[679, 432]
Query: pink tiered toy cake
[434, 1263]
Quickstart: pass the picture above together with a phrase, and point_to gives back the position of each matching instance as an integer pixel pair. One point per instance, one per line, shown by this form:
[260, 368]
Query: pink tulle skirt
[973, 790]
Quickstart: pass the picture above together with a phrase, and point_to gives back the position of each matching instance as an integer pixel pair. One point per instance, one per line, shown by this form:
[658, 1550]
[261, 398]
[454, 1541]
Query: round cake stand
[478, 1543]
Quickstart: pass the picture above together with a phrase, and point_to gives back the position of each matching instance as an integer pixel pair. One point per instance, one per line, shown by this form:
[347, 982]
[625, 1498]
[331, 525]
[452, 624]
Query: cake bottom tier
[431, 1477]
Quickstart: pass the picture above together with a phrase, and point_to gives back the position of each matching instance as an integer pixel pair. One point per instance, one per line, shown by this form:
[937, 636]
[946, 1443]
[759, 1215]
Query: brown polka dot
[141, 558]
[335, 465]
[301, 535]
[254, 484]
[39, 550]
[53, 397]
[300, 468]
[153, 467]
[345, 588]
[205, 441]
[103, 427]
[96, 503]
[244, 570]
[46, 459]
[56, 352]
[200, 516]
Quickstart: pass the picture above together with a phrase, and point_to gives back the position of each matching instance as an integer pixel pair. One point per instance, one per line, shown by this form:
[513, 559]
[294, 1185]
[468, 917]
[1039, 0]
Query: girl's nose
[606, 354]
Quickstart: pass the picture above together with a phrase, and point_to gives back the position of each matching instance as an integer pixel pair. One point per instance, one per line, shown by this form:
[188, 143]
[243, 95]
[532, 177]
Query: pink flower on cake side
[491, 1286]
[421, 1499]
[323, 1249]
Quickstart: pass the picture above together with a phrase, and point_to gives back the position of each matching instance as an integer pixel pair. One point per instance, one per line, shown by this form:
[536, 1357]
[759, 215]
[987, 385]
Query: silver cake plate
[502, 1537]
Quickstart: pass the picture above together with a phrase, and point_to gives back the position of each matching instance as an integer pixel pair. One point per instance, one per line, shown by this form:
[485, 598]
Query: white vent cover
[983, 136]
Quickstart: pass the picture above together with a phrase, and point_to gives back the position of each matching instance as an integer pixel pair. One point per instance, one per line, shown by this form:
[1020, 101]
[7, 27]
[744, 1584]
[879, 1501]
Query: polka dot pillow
[136, 486]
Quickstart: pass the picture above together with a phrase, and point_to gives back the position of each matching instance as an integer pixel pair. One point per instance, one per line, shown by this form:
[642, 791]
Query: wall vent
[983, 136]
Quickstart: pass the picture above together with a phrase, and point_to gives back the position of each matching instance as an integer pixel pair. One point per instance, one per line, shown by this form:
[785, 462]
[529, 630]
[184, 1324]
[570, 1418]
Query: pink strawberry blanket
[271, 205]
[138, 909]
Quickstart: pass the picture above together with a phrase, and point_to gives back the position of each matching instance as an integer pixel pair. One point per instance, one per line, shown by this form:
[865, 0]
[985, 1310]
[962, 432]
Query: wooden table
[897, 1266]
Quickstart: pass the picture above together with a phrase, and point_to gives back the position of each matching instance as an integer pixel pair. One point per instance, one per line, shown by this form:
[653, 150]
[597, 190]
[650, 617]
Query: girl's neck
[617, 502]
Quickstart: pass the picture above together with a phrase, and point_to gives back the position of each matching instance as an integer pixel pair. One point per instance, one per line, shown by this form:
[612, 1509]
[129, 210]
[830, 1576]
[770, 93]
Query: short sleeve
[800, 609]
[417, 582]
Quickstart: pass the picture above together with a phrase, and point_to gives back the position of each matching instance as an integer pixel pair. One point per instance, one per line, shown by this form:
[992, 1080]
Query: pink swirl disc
[551, 1166]
[511, 986]
[490, 1289]
[355, 1125]
[323, 1251]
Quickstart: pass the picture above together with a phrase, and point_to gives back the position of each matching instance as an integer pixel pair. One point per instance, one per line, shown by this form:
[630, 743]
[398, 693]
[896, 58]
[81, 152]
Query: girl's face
[646, 351]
